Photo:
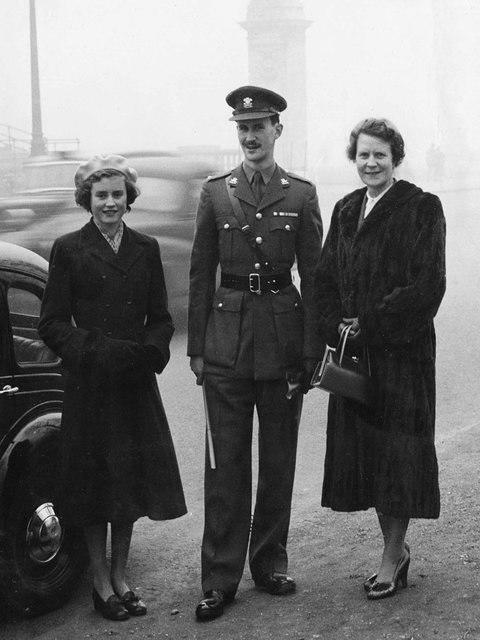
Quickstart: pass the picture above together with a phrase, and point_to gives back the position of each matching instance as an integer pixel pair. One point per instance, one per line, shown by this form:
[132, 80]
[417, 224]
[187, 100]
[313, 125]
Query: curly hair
[83, 192]
[378, 128]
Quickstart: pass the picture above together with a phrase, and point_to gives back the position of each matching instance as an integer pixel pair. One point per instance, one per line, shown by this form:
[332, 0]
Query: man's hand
[353, 324]
[196, 365]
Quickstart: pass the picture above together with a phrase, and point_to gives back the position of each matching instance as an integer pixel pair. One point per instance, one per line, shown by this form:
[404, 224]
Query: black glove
[309, 365]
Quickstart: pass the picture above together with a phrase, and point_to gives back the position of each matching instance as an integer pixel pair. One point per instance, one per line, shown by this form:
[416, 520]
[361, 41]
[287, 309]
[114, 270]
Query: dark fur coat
[391, 274]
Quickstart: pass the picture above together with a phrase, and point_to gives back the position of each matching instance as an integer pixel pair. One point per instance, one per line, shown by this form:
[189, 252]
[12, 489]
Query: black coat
[391, 274]
[238, 333]
[118, 457]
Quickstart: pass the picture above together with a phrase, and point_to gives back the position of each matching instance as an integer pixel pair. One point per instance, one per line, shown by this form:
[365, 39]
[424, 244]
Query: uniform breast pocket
[283, 231]
[228, 231]
[223, 329]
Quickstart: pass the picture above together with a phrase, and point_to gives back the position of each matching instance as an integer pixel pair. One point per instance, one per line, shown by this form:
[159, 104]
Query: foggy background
[153, 74]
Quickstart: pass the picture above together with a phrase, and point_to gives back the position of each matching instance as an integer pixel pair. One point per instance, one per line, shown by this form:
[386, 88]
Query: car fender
[31, 452]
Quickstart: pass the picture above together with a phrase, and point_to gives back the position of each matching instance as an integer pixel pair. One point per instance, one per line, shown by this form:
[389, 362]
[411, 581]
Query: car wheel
[41, 557]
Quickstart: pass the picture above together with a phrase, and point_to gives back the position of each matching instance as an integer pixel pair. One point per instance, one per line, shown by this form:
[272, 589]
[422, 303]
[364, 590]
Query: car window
[24, 307]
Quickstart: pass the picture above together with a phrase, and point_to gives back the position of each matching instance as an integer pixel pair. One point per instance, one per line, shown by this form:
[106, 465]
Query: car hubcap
[44, 534]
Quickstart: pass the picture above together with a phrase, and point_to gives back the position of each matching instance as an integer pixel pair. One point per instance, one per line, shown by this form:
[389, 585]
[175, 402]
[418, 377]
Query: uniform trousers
[228, 488]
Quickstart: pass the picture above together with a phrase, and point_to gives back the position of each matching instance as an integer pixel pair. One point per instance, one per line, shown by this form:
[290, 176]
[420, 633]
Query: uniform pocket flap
[286, 303]
[228, 300]
[283, 223]
[227, 223]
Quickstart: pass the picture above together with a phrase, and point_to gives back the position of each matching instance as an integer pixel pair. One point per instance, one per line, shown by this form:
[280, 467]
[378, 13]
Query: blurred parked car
[170, 187]
[41, 556]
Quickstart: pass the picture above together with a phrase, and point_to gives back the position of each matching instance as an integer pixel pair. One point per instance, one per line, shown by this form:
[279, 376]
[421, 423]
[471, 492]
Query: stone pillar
[276, 60]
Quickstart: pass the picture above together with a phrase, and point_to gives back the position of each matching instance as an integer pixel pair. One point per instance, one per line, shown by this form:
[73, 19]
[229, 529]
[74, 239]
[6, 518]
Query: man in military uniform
[244, 340]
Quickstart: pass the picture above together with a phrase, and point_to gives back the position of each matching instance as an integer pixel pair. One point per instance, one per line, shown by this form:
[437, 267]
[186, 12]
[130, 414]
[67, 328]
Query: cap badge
[285, 182]
[233, 182]
[247, 103]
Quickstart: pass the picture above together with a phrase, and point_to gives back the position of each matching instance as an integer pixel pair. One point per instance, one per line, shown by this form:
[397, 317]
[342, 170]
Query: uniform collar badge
[285, 182]
[247, 103]
[233, 182]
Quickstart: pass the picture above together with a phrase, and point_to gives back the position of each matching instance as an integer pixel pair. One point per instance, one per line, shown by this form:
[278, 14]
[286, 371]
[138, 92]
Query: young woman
[105, 314]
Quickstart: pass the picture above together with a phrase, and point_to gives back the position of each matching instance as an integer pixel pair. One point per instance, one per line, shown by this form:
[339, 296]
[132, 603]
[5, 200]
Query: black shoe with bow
[133, 604]
[111, 608]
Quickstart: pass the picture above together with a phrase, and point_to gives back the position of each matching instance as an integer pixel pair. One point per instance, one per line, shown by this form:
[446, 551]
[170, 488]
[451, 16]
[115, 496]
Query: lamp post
[38, 141]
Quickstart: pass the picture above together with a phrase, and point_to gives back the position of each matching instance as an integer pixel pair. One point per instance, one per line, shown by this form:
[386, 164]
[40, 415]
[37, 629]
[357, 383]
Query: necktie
[257, 186]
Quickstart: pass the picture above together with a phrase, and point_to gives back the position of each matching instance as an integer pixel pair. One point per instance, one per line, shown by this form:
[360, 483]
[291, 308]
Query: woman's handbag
[344, 375]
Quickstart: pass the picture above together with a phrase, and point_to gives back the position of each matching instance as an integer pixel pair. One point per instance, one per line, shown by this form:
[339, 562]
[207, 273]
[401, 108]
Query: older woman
[382, 272]
[105, 314]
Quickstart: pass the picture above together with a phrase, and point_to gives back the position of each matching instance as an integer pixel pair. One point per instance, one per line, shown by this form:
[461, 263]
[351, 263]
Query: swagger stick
[211, 450]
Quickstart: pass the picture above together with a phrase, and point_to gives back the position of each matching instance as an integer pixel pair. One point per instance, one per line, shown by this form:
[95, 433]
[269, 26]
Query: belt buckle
[254, 287]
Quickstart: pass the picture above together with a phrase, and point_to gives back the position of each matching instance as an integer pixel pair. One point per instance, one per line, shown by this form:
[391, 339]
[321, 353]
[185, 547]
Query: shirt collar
[374, 200]
[266, 173]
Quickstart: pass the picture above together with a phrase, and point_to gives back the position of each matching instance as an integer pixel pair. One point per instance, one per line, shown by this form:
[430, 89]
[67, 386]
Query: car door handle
[8, 390]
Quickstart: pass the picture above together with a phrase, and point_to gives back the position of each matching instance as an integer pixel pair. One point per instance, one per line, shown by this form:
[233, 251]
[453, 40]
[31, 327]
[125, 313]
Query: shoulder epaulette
[297, 177]
[217, 176]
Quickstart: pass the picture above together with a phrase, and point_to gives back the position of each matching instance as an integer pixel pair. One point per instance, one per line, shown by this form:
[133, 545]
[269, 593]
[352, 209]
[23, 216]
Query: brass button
[288, 227]
[226, 225]
[275, 213]
[220, 304]
[258, 216]
[257, 265]
[259, 239]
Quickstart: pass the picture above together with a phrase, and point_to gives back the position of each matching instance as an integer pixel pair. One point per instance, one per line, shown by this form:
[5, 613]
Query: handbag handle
[343, 341]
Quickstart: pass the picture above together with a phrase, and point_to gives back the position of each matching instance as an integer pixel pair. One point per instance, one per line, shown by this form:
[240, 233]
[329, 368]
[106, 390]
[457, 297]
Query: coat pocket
[288, 314]
[223, 328]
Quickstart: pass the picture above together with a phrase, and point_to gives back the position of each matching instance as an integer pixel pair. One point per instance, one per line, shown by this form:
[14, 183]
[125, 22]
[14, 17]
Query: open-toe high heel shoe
[111, 608]
[379, 590]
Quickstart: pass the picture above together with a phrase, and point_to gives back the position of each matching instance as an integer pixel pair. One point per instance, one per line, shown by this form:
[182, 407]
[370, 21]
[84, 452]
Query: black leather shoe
[277, 584]
[212, 605]
[112, 608]
[133, 604]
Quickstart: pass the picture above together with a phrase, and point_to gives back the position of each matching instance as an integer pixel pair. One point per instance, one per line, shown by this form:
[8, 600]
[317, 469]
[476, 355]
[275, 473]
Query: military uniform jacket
[242, 334]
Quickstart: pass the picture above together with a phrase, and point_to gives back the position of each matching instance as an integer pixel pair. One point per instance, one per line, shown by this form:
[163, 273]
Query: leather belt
[256, 283]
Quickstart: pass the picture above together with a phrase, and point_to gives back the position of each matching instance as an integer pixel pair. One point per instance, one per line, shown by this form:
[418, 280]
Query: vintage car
[41, 555]
[170, 187]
